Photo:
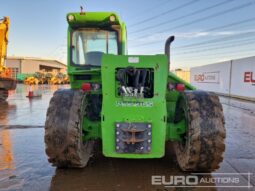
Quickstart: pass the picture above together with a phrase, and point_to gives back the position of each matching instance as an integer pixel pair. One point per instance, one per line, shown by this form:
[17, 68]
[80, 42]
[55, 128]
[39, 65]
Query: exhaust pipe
[167, 47]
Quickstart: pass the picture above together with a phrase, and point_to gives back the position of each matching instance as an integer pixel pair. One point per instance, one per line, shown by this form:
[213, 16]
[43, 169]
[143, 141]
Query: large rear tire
[203, 145]
[63, 130]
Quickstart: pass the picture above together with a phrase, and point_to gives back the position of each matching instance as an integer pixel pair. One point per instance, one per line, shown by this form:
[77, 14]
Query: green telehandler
[130, 103]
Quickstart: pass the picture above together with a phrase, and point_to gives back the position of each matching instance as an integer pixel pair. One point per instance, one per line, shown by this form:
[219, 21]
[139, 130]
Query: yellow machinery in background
[31, 81]
[47, 78]
[6, 82]
[66, 79]
[40, 77]
[57, 79]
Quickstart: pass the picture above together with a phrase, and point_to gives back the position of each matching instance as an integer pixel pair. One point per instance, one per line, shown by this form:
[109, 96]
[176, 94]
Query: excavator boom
[6, 82]
[4, 33]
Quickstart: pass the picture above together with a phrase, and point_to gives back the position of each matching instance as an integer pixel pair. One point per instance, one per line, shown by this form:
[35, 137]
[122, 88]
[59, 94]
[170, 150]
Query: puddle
[24, 165]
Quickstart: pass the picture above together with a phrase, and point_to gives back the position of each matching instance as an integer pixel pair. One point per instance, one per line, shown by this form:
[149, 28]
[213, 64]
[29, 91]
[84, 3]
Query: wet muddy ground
[24, 165]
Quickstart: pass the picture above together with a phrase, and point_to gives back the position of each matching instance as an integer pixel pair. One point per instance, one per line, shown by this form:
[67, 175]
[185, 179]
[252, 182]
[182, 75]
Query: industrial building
[26, 65]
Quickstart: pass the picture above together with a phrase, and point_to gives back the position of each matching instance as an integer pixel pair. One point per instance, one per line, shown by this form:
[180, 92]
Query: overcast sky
[206, 31]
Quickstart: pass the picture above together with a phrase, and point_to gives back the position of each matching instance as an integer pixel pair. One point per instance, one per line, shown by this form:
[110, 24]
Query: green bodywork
[160, 110]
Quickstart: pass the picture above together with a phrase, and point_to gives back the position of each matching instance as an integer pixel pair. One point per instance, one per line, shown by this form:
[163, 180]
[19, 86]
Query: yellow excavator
[6, 82]
[31, 81]
[57, 79]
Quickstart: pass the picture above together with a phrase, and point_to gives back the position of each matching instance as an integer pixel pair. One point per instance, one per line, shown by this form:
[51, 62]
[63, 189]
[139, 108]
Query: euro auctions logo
[207, 77]
[249, 78]
[203, 180]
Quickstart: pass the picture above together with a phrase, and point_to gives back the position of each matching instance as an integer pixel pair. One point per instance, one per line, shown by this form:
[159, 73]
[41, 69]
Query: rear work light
[71, 18]
[112, 18]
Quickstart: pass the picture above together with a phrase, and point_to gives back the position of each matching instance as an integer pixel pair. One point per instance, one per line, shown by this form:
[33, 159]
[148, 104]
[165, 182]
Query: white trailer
[235, 78]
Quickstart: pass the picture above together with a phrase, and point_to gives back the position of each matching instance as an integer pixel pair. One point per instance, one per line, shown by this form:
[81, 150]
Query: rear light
[174, 86]
[86, 87]
[180, 87]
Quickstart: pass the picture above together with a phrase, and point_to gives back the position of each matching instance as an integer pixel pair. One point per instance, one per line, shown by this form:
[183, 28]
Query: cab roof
[93, 19]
